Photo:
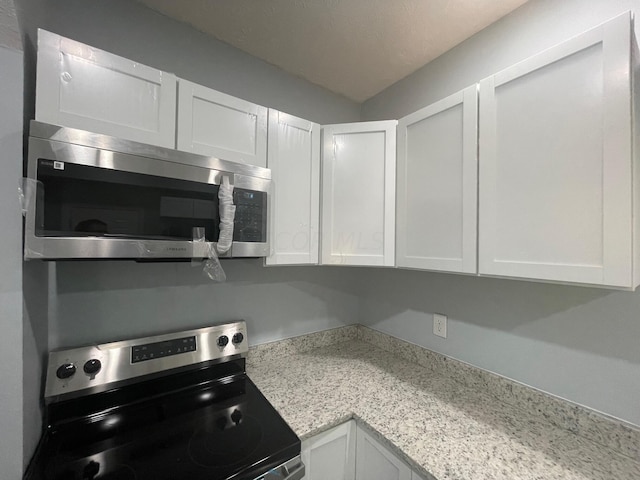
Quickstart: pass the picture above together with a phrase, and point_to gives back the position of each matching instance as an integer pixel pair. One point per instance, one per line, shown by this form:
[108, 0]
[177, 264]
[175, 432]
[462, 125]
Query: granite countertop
[441, 428]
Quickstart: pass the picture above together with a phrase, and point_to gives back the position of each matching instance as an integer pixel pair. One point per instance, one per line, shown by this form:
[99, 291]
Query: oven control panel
[98, 367]
[150, 351]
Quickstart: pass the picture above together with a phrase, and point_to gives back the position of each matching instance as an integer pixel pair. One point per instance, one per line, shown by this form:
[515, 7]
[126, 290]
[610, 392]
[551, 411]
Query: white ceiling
[355, 48]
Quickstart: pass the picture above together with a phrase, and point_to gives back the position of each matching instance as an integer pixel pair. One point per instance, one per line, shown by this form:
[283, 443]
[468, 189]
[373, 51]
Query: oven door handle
[296, 474]
[284, 472]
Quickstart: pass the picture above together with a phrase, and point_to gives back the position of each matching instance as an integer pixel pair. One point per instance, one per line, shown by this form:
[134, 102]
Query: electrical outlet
[440, 325]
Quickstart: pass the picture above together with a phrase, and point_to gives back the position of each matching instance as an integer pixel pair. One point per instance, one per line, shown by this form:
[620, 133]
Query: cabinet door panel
[375, 462]
[358, 194]
[82, 87]
[216, 124]
[294, 160]
[331, 454]
[437, 185]
[555, 163]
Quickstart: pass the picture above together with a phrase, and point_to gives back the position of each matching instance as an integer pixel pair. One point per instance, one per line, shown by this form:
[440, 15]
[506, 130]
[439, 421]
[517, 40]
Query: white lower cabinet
[331, 455]
[375, 462]
[350, 452]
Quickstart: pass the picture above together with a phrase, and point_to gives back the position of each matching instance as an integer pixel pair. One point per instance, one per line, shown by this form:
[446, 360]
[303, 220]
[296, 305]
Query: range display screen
[151, 351]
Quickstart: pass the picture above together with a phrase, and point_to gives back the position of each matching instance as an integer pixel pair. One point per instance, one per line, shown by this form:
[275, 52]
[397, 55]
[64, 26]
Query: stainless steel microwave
[95, 196]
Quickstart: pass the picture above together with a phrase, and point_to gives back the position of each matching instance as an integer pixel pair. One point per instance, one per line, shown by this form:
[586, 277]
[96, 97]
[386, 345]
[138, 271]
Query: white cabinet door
[219, 125]
[375, 462]
[555, 163]
[437, 185]
[82, 87]
[358, 193]
[331, 455]
[294, 160]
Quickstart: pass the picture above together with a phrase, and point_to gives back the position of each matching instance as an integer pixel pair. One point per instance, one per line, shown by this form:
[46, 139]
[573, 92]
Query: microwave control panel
[250, 219]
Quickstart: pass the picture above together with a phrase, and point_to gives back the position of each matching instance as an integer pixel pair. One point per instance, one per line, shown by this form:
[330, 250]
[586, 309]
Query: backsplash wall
[108, 301]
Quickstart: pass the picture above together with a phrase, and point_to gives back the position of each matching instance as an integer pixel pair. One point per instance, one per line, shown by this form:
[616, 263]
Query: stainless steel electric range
[170, 407]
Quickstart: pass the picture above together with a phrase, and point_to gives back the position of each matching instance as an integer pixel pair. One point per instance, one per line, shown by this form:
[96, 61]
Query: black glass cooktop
[207, 427]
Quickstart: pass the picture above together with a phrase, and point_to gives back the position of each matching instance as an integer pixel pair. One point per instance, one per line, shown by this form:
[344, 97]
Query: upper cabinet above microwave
[213, 123]
[83, 87]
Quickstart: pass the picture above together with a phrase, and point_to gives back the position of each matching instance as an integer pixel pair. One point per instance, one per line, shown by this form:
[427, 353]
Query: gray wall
[11, 376]
[577, 343]
[98, 302]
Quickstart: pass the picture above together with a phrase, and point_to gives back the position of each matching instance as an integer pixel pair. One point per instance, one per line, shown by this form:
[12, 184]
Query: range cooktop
[200, 421]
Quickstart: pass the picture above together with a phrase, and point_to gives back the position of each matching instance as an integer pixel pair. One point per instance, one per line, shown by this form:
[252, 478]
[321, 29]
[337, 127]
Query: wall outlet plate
[440, 325]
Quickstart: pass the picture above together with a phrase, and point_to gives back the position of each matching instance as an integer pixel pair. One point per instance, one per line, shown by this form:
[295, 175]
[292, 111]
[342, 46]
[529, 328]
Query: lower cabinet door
[331, 455]
[375, 462]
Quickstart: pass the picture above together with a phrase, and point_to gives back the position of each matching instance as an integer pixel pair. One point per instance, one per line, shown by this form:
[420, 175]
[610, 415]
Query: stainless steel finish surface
[290, 470]
[105, 142]
[90, 149]
[116, 360]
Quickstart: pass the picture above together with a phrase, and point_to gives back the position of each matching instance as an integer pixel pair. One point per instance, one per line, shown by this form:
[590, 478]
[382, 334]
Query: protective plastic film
[211, 264]
[227, 215]
[28, 192]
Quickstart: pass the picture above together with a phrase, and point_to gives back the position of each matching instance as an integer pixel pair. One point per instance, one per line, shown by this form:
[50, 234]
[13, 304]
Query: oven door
[94, 203]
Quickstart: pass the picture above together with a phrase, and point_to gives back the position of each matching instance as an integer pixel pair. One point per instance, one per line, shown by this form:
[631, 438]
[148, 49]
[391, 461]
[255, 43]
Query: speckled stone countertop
[440, 427]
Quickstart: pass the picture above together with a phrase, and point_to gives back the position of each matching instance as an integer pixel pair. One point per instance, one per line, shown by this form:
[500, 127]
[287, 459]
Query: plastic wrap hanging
[227, 215]
[211, 264]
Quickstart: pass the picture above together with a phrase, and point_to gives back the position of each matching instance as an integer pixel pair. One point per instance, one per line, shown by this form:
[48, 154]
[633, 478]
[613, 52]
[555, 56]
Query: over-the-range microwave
[94, 196]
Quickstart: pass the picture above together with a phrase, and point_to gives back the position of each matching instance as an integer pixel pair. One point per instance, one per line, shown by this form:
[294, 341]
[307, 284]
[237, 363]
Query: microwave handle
[227, 211]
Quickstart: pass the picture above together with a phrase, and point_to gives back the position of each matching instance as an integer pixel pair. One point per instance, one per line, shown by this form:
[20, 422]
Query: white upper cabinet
[358, 193]
[436, 224]
[556, 199]
[294, 160]
[219, 125]
[82, 87]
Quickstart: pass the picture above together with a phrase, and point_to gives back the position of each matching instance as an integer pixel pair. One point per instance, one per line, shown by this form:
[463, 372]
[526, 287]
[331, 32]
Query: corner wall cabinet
[556, 163]
[358, 193]
[294, 160]
[436, 224]
[350, 452]
[219, 125]
[83, 87]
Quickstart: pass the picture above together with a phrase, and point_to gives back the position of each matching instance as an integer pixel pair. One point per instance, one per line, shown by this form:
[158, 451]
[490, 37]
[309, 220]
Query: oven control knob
[223, 340]
[92, 366]
[237, 338]
[65, 371]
